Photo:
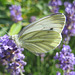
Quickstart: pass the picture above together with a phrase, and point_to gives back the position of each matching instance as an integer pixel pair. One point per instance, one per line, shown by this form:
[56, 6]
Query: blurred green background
[39, 9]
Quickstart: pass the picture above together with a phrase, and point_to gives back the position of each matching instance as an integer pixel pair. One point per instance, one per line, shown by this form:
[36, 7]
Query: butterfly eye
[51, 28]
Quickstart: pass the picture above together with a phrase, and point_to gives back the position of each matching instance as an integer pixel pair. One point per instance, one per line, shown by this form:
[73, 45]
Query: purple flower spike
[69, 29]
[70, 15]
[15, 12]
[11, 55]
[66, 59]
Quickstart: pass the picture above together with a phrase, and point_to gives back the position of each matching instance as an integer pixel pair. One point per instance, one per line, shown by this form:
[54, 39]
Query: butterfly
[43, 35]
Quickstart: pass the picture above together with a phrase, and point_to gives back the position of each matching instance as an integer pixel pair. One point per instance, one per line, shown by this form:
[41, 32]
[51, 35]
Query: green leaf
[61, 11]
[15, 28]
[39, 6]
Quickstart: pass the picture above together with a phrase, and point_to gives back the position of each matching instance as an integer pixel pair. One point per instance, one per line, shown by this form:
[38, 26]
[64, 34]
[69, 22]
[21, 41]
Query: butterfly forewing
[55, 21]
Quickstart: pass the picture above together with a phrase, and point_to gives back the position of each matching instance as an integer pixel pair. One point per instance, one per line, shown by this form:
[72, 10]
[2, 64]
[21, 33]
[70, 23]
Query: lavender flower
[69, 29]
[32, 19]
[66, 59]
[15, 12]
[55, 5]
[42, 57]
[72, 73]
[11, 55]
[58, 73]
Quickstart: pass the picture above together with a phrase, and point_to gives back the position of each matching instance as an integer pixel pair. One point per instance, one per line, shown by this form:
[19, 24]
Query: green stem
[63, 72]
[21, 72]
[38, 65]
[42, 68]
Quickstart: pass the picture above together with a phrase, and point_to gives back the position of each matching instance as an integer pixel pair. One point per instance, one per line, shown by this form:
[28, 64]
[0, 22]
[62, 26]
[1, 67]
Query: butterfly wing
[40, 41]
[54, 21]
[43, 35]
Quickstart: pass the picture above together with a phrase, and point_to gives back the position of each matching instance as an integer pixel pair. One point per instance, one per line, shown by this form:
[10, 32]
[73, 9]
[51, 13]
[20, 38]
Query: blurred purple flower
[72, 31]
[32, 19]
[15, 12]
[72, 73]
[58, 73]
[11, 55]
[55, 5]
[65, 31]
[42, 57]
[66, 4]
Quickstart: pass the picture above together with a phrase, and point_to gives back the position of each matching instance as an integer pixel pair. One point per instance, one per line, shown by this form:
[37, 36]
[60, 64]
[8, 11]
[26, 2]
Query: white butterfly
[43, 35]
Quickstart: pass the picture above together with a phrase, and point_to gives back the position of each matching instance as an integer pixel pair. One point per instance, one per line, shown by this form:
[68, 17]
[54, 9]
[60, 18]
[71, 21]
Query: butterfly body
[43, 35]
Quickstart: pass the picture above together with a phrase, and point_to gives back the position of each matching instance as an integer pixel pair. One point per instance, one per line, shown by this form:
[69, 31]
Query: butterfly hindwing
[40, 41]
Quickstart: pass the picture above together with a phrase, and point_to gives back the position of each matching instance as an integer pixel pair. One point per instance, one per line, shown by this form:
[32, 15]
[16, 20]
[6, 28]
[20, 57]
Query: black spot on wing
[51, 28]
